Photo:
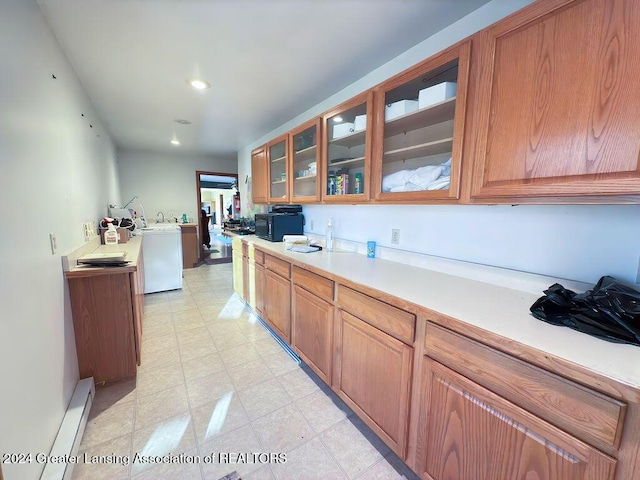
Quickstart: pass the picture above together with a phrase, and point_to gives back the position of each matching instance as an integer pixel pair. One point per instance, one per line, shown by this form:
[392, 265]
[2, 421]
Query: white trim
[71, 431]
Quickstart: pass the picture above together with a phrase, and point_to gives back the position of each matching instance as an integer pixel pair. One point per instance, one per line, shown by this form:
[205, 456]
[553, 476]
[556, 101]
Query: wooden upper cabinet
[346, 156]
[259, 174]
[469, 433]
[304, 157]
[558, 103]
[278, 165]
[419, 129]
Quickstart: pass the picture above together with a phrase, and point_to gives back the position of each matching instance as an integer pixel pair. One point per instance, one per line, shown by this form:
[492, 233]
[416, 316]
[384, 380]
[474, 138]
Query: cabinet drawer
[389, 319]
[259, 257]
[254, 254]
[321, 286]
[470, 433]
[587, 414]
[278, 266]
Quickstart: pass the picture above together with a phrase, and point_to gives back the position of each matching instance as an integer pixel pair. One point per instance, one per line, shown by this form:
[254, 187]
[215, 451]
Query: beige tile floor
[213, 381]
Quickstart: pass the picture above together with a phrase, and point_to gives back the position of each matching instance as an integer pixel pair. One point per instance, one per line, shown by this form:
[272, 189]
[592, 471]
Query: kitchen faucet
[159, 213]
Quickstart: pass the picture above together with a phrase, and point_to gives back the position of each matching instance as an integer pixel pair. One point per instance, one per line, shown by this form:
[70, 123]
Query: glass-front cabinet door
[305, 159]
[277, 159]
[347, 151]
[419, 130]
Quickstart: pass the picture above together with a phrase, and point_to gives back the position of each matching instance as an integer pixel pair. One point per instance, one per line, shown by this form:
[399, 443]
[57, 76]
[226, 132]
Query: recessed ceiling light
[182, 121]
[175, 142]
[337, 119]
[198, 84]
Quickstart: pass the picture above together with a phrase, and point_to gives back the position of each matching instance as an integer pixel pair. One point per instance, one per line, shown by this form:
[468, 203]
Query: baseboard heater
[71, 430]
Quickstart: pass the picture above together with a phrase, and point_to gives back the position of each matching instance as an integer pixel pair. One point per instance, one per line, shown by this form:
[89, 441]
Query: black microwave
[273, 226]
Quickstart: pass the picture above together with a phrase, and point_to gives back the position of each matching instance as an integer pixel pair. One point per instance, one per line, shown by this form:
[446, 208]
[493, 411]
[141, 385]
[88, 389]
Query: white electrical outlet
[395, 236]
[54, 245]
[311, 225]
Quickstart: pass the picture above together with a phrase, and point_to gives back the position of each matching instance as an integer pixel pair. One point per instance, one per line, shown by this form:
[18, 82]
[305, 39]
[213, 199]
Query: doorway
[215, 192]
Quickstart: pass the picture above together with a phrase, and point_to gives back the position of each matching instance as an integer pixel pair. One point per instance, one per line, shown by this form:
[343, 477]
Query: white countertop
[132, 248]
[497, 309]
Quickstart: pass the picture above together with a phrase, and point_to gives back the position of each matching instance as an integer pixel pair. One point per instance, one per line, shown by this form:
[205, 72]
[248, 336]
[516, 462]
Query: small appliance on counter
[239, 227]
[282, 220]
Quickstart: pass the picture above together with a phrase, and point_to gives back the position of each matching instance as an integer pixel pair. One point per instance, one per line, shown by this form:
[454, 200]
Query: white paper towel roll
[295, 239]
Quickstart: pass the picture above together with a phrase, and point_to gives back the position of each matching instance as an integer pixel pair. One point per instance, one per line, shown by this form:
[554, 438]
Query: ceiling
[266, 61]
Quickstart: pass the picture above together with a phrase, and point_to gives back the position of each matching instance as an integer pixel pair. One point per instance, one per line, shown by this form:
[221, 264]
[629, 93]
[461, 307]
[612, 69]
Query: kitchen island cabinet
[441, 367]
[107, 305]
[561, 120]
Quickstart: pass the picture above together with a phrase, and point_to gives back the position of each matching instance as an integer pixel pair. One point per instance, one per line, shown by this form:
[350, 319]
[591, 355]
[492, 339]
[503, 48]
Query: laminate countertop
[495, 309]
[133, 248]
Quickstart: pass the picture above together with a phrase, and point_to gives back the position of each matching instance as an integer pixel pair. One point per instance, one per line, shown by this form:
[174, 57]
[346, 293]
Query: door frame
[199, 205]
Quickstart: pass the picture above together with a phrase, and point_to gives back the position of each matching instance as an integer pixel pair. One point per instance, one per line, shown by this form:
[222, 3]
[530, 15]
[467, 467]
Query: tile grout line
[189, 407]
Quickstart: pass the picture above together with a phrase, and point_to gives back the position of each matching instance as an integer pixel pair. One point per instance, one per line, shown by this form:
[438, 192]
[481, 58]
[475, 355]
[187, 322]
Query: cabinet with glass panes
[277, 160]
[347, 151]
[419, 130]
[305, 159]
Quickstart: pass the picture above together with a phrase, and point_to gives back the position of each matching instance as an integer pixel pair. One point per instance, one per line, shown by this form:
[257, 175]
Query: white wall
[166, 183]
[574, 242]
[55, 173]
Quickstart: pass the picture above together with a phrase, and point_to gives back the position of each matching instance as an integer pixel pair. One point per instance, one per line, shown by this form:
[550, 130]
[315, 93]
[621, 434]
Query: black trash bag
[611, 310]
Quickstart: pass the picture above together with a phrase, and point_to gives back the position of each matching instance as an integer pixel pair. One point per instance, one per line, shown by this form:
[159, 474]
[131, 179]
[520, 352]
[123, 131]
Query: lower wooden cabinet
[259, 289]
[469, 433]
[246, 291]
[373, 375]
[312, 331]
[475, 413]
[277, 302]
[238, 273]
[108, 307]
[137, 294]
[189, 246]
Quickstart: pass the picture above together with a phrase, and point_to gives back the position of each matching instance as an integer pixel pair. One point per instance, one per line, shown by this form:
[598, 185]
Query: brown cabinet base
[189, 246]
[470, 433]
[103, 320]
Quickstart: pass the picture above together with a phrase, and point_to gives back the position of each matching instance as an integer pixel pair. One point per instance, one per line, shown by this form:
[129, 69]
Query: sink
[161, 226]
